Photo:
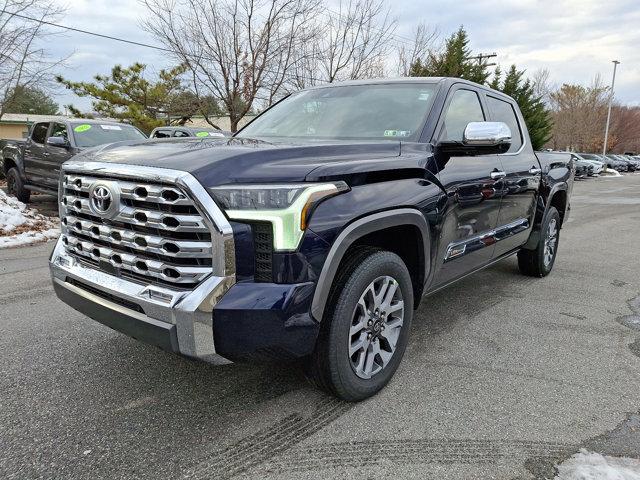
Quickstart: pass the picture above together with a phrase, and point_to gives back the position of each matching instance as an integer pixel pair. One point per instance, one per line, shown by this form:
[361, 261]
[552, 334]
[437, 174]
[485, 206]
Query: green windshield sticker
[202, 134]
[390, 133]
[82, 128]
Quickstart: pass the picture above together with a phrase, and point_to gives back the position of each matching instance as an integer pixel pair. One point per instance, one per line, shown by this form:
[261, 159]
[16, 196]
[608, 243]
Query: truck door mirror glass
[58, 142]
[480, 138]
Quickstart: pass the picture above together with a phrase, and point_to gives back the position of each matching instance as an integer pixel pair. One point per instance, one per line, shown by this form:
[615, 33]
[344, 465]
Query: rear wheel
[16, 187]
[539, 262]
[365, 330]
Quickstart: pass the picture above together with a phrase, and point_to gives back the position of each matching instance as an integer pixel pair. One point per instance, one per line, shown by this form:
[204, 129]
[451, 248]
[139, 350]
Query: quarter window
[464, 108]
[39, 134]
[503, 112]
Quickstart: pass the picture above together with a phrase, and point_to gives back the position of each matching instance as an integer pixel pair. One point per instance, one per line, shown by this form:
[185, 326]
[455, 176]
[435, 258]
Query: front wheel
[15, 186]
[365, 330]
[539, 262]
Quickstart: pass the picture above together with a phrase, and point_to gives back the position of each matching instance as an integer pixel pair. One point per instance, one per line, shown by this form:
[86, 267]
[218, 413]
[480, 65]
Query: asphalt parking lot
[504, 376]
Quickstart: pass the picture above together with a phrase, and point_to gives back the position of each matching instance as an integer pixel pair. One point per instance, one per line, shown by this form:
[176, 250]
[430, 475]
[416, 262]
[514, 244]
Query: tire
[15, 186]
[345, 326]
[539, 261]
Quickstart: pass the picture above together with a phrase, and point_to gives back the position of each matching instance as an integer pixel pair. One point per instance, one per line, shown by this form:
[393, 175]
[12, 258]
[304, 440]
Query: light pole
[606, 130]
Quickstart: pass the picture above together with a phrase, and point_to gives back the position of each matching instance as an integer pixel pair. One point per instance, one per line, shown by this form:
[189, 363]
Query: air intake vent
[263, 246]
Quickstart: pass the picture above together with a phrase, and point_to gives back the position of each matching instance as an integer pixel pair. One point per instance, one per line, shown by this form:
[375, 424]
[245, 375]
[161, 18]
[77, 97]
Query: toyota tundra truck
[314, 232]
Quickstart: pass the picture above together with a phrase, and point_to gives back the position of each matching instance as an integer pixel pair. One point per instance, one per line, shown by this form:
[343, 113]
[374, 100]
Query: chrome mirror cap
[487, 134]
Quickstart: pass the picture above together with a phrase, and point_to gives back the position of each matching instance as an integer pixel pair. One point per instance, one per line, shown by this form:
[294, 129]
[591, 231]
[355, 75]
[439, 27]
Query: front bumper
[180, 322]
[216, 322]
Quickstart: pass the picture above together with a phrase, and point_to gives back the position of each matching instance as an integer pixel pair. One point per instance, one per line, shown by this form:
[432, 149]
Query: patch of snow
[20, 225]
[586, 465]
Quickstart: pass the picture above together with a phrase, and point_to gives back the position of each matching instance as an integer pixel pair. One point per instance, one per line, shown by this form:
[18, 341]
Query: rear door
[471, 212]
[35, 155]
[57, 155]
[520, 185]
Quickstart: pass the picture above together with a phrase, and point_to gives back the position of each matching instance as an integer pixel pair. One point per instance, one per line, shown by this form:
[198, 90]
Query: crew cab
[34, 164]
[316, 231]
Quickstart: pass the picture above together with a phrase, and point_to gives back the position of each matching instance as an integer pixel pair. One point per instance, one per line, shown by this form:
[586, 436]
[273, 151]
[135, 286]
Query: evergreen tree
[25, 99]
[536, 115]
[453, 61]
[456, 60]
[127, 95]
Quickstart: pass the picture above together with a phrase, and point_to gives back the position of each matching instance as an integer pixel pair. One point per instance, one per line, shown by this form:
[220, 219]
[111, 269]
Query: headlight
[287, 207]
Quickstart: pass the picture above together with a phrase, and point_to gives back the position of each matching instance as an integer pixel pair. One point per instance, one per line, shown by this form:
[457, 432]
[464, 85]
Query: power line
[86, 32]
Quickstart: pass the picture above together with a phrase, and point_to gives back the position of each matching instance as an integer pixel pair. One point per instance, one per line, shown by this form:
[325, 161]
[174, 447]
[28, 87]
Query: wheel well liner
[379, 229]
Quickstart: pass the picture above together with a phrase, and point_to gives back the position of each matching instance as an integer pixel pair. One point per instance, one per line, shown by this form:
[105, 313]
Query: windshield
[379, 111]
[94, 134]
[590, 156]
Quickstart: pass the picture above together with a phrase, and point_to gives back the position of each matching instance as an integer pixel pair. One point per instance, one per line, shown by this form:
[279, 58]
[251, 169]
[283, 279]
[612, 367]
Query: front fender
[356, 230]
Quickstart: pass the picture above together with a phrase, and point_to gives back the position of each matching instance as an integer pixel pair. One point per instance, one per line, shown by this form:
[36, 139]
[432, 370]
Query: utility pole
[480, 57]
[606, 129]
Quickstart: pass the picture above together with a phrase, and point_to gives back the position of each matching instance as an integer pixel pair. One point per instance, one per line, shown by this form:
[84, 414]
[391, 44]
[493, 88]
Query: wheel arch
[376, 230]
[558, 197]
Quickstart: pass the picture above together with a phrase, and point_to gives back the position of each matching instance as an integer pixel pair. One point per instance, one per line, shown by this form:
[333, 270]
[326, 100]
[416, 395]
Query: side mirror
[58, 142]
[480, 138]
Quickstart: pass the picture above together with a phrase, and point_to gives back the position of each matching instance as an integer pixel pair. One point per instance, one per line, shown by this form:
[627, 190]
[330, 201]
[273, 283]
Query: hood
[216, 161]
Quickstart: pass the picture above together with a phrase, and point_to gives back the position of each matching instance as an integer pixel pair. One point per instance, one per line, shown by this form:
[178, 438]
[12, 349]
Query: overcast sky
[574, 39]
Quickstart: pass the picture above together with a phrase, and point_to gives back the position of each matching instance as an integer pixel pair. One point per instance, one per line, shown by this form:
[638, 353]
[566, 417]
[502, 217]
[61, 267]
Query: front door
[473, 200]
[57, 155]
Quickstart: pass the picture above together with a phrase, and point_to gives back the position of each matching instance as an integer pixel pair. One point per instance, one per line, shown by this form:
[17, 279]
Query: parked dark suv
[315, 232]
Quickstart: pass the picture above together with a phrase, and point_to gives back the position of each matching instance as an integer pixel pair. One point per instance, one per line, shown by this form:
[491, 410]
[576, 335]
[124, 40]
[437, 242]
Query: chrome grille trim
[176, 211]
[155, 243]
[154, 219]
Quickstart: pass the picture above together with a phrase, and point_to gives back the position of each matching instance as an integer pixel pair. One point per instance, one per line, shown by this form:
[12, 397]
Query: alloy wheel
[550, 242]
[375, 327]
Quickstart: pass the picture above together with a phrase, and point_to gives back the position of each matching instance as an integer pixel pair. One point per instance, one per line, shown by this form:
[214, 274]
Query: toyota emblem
[101, 199]
[104, 198]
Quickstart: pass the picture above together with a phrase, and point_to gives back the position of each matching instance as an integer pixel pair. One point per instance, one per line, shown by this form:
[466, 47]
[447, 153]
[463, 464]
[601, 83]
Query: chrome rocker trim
[190, 311]
[487, 239]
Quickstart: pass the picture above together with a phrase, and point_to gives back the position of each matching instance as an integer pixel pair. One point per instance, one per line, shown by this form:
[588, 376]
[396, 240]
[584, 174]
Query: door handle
[535, 170]
[495, 175]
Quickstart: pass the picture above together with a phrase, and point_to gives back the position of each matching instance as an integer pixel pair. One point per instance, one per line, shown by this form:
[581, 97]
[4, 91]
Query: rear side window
[464, 108]
[39, 134]
[180, 133]
[162, 134]
[503, 112]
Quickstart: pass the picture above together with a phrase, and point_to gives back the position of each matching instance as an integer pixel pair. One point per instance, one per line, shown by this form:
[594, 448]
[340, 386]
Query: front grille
[263, 248]
[157, 235]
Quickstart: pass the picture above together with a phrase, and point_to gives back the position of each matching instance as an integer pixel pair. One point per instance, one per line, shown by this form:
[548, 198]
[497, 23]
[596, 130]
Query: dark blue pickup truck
[315, 232]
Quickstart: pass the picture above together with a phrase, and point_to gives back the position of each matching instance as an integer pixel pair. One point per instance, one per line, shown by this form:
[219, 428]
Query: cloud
[574, 39]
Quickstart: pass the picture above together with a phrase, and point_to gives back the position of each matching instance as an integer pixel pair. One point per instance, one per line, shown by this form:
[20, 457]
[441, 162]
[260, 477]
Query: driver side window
[464, 107]
[59, 130]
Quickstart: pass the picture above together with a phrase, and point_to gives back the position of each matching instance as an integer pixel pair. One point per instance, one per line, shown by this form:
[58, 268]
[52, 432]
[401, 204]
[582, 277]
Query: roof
[405, 80]
[28, 118]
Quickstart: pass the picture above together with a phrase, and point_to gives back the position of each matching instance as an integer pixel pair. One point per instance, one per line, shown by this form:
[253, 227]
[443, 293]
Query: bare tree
[23, 61]
[352, 42]
[239, 51]
[579, 115]
[424, 39]
[542, 86]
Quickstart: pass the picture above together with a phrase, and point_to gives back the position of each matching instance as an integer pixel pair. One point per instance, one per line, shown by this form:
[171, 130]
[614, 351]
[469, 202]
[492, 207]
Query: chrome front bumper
[174, 319]
[188, 314]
